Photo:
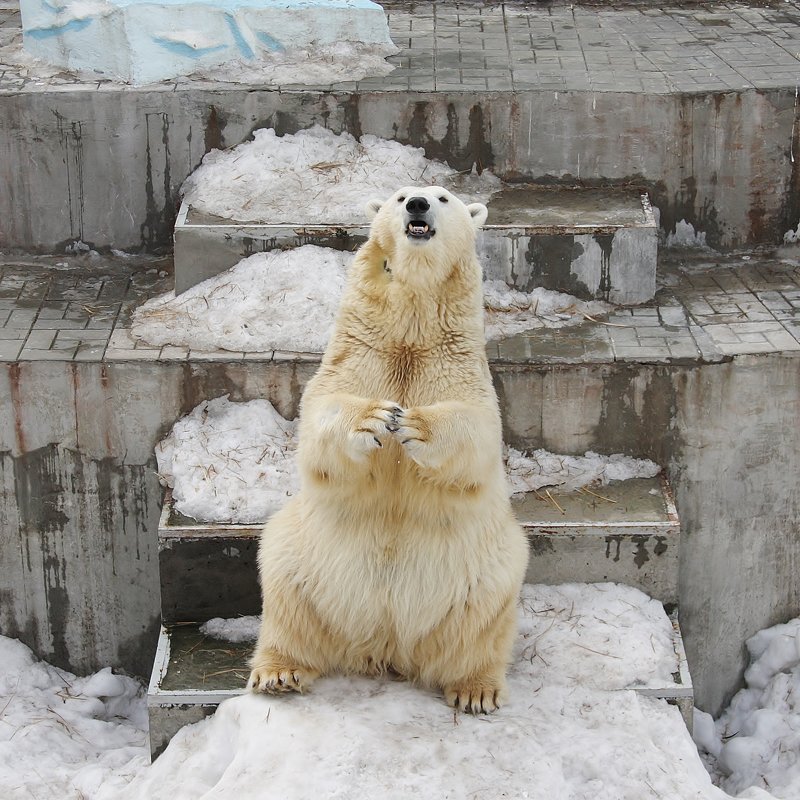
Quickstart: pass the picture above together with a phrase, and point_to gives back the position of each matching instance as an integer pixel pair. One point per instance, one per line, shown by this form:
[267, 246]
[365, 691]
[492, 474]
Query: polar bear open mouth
[417, 229]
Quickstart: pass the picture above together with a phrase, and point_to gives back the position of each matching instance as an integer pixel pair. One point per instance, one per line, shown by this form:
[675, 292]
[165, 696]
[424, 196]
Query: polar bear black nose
[417, 205]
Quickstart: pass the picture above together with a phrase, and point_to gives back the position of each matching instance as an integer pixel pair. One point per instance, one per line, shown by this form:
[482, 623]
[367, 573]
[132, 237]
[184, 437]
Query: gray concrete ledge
[470, 46]
[709, 309]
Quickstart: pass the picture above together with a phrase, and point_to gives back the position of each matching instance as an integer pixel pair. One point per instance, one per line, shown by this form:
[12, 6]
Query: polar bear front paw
[371, 428]
[414, 434]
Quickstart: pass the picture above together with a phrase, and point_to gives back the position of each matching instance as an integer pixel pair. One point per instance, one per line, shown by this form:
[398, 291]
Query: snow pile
[287, 300]
[268, 301]
[314, 176]
[543, 469]
[230, 461]
[63, 736]
[756, 741]
[509, 311]
[235, 462]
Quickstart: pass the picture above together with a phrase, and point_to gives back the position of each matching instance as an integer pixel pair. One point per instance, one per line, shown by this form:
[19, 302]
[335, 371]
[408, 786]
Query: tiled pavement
[710, 308]
[475, 46]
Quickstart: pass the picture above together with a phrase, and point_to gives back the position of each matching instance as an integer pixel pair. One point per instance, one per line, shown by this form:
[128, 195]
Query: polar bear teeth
[418, 229]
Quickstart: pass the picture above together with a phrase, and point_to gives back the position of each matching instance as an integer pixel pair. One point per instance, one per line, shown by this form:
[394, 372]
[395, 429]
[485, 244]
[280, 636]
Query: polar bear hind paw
[474, 697]
[270, 678]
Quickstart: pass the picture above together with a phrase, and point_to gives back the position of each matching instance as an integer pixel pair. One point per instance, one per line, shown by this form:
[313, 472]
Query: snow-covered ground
[568, 731]
[234, 462]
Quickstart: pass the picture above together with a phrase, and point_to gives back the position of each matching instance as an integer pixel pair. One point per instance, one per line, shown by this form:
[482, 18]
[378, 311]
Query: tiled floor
[474, 46]
[709, 309]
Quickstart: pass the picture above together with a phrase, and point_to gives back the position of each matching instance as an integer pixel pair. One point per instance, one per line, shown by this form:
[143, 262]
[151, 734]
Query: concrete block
[142, 42]
[593, 243]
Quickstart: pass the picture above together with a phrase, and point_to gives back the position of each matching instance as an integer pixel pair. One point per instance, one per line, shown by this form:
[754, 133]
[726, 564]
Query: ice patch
[685, 236]
[237, 629]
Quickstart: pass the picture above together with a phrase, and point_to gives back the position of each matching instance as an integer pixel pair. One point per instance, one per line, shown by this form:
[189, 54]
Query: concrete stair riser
[596, 244]
[631, 537]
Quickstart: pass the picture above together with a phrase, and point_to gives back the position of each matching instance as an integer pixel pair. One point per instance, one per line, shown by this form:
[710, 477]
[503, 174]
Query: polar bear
[400, 552]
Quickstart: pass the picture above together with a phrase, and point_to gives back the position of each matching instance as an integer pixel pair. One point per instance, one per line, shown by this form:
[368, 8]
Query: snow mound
[287, 300]
[268, 301]
[230, 461]
[62, 736]
[235, 462]
[756, 741]
[544, 469]
[509, 311]
[314, 176]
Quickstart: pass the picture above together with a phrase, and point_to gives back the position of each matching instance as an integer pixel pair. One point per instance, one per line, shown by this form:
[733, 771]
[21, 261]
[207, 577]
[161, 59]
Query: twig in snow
[553, 501]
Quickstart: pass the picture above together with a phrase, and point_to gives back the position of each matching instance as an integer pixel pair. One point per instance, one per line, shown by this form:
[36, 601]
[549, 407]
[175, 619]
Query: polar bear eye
[443, 200]
[400, 199]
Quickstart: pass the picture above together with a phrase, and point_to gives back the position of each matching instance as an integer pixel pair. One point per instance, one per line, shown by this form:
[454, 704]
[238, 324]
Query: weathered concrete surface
[105, 165]
[80, 497]
[728, 434]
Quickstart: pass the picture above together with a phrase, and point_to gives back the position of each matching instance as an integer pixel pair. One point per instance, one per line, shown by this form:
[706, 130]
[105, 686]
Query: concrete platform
[694, 104]
[594, 243]
[193, 673]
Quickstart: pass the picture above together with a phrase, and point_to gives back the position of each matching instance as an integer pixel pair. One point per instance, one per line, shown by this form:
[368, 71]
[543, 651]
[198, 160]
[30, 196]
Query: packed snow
[66, 737]
[235, 462]
[756, 741]
[316, 176]
[287, 300]
[568, 731]
[230, 461]
[268, 301]
[541, 469]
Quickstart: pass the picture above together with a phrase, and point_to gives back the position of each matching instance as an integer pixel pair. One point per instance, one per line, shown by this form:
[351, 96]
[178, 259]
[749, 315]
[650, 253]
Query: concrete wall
[80, 496]
[105, 165]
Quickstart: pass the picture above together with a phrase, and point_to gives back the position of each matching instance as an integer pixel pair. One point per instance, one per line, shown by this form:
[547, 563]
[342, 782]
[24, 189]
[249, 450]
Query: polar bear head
[424, 231]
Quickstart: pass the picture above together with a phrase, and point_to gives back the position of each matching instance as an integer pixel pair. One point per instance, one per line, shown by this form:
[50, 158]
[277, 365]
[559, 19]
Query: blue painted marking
[184, 50]
[305, 5]
[73, 26]
[266, 39]
[241, 43]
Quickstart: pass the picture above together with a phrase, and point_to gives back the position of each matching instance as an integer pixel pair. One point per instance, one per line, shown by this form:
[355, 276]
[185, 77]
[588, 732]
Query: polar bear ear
[372, 208]
[478, 212]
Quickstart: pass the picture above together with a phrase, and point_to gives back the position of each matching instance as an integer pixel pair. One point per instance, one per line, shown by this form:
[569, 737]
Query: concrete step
[193, 673]
[627, 532]
[593, 243]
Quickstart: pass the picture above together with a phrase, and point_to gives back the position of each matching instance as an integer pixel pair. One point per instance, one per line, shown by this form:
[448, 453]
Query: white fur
[400, 551]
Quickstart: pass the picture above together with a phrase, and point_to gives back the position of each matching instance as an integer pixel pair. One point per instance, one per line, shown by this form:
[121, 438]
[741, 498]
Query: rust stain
[16, 402]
